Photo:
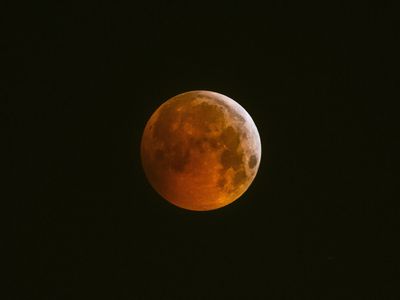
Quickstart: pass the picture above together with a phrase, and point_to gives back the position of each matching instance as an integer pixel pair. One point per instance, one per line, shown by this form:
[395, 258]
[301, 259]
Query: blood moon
[200, 150]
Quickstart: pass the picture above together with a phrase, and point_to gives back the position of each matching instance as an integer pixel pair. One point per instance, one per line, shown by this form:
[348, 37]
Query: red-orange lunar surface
[200, 150]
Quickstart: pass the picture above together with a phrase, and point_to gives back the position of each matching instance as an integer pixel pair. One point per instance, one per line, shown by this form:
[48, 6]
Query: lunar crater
[253, 161]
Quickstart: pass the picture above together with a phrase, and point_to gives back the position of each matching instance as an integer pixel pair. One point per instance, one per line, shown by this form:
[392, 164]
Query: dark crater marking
[253, 161]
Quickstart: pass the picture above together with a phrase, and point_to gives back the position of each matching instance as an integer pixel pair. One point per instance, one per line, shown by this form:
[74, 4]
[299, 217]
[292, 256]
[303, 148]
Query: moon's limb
[201, 150]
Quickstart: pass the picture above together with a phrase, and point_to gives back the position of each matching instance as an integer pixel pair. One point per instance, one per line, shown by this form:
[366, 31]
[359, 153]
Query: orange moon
[200, 150]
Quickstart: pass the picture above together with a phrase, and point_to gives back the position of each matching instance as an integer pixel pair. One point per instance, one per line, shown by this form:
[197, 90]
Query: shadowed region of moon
[200, 150]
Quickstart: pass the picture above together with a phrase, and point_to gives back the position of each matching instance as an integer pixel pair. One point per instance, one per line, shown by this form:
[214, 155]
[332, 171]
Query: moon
[200, 150]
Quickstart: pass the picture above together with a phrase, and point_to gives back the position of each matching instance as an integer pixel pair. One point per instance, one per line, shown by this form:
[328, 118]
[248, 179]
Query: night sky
[318, 222]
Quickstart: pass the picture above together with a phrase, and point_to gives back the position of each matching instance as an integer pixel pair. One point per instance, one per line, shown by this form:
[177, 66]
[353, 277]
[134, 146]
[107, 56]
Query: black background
[319, 221]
